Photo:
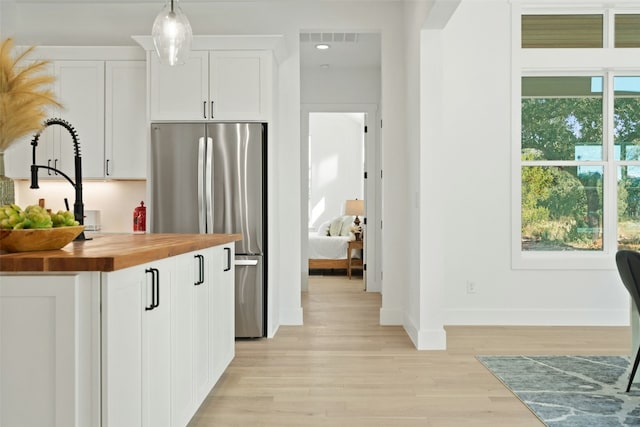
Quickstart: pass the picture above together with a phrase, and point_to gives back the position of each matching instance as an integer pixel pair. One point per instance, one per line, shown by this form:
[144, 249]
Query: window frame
[538, 62]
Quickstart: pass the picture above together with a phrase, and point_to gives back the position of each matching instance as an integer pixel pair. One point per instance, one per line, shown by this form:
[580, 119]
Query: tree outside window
[569, 156]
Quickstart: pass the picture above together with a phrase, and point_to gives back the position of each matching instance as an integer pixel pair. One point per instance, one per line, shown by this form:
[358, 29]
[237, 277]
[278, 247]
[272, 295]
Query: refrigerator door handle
[202, 217]
[246, 262]
[208, 182]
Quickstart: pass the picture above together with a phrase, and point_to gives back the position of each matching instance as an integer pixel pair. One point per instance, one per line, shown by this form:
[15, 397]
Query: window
[562, 163]
[578, 135]
[561, 31]
[627, 30]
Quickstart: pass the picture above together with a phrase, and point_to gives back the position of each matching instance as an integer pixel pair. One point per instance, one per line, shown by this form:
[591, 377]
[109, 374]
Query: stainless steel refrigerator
[211, 178]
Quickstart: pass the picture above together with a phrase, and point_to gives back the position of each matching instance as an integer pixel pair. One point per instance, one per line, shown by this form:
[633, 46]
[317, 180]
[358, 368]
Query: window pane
[627, 32]
[562, 31]
[562, 118]
[626, 117]
[561, 208]
[626, 133]
[629, 207]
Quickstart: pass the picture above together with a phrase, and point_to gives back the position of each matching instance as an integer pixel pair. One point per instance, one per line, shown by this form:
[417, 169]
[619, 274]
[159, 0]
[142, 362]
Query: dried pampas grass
[24, 95]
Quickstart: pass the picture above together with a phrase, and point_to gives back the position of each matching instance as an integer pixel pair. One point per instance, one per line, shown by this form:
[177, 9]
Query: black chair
[628, 263]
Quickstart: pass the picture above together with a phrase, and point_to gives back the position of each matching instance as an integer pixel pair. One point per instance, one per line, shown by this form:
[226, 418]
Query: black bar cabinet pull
[107, 167]
[200, 270]
[212, 109]
[153, 288]
[49, 164]
[157, 274]
[204, 109]
[228, 259]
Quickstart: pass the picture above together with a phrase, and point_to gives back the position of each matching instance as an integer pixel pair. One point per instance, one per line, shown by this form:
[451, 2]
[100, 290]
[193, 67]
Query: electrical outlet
[471, 287]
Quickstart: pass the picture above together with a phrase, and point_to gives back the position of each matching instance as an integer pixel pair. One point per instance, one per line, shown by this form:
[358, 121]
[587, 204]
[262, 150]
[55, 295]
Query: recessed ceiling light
[324, 65]
[322, 46]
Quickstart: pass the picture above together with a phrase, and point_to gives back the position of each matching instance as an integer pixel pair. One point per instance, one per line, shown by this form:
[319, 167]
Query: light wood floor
[342, 369]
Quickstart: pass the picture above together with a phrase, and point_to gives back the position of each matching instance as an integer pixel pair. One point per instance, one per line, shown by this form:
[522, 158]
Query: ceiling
[347, 50]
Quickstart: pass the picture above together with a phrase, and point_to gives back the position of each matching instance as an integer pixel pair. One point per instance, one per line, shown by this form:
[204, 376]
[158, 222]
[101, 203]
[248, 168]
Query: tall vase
[7, 190]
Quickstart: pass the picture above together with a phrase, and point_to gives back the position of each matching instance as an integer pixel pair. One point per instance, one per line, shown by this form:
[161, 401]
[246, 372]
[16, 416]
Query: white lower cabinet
[182, 333]
[141, 346]
[136, 345]
[224, 307]
[163, 334]
[202, 327]
[50, 350]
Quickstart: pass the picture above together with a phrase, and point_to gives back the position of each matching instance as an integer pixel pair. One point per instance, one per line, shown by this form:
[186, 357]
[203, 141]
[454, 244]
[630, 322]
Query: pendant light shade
[172, 34]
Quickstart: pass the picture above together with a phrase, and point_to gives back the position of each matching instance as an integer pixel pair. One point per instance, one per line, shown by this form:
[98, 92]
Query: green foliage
[559, 204]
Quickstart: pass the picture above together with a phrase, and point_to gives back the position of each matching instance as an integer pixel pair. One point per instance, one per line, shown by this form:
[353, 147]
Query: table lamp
[355, 207]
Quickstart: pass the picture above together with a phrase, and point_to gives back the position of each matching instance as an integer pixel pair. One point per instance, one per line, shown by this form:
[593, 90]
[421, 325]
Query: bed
[328, 244]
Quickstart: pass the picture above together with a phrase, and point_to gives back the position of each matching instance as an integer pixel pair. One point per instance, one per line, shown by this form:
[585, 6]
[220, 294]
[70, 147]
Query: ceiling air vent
[317, 37]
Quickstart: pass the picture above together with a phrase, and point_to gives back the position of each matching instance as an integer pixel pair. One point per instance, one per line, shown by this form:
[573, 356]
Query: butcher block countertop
[111, 252]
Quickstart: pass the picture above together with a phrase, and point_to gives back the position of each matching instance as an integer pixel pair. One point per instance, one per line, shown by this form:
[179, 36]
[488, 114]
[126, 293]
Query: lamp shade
[354, 207]
[172, 34]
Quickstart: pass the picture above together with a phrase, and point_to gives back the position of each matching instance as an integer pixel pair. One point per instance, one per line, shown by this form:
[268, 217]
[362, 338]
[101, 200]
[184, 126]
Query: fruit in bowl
[12, 217]
[35, 229]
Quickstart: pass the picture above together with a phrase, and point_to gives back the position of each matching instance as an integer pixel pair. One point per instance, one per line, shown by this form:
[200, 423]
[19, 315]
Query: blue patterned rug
[568, 391]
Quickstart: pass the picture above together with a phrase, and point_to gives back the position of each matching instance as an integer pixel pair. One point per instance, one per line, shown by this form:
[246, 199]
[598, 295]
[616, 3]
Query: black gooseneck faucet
[78, 205]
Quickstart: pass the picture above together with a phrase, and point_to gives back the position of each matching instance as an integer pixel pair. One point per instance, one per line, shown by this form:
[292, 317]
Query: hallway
[342, 369]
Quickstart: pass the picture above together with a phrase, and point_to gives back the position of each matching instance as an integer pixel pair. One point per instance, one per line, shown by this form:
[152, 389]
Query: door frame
[372, 189]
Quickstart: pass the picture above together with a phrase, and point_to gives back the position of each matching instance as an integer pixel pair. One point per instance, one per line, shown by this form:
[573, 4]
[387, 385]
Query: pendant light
[172, 34]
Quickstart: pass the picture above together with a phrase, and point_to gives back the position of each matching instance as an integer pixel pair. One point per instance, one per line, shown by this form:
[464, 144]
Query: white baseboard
[428, 339]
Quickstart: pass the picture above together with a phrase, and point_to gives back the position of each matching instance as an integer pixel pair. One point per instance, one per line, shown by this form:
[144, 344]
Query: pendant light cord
[172, 6]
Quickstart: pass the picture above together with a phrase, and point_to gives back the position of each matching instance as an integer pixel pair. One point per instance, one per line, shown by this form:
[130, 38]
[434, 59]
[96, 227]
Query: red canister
[140, 219]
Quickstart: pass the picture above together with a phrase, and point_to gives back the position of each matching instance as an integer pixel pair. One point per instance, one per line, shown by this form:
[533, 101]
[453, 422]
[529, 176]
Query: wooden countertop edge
[112, 252]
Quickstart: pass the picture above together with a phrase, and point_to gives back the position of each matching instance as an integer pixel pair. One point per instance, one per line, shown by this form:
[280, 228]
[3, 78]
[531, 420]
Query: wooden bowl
[38, 239]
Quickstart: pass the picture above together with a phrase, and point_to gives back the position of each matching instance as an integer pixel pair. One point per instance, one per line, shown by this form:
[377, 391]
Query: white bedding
[328, 247]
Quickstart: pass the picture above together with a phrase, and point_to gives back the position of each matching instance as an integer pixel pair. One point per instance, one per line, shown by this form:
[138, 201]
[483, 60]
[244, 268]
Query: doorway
[320, 206]
[344, 77]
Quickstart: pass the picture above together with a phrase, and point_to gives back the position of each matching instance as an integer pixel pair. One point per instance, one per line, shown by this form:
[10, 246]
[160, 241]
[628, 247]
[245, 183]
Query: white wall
[476, 146]
[115, 200]
[338, 90]
[112, 23]
[464, 174]
[336, 145]
[340, 86]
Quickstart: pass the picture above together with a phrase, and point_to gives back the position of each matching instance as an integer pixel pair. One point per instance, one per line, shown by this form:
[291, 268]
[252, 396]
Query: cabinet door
[227, 297]
[181, 92]
[80, 90]
[203, 324]
[122, 312]
[156, 347]
[182, 389]
[125, 120]
[41, 349]
[239, 87]
[222, 309]
[136, 345]
[18, 157]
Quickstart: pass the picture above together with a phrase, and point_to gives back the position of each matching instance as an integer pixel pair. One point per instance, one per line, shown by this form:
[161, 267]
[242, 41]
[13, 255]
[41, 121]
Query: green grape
[38, 217]
[63, 219]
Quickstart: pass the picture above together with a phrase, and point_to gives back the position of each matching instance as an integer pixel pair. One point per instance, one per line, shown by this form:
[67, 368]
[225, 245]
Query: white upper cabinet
[212, 85]
[80, 90]
[79, 87]
[179, 92]
[105, 102]
[125, 120]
